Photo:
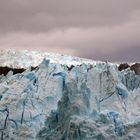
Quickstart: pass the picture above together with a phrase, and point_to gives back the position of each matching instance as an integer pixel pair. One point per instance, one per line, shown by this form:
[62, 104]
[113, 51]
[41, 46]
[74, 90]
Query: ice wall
[84, 102]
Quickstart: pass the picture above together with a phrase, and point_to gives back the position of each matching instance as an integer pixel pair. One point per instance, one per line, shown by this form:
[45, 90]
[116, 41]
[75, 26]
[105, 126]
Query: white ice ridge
[24, 58]
[90, 101]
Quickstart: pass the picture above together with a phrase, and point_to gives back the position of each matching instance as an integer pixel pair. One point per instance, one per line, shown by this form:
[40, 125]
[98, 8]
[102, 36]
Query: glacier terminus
[67, 98]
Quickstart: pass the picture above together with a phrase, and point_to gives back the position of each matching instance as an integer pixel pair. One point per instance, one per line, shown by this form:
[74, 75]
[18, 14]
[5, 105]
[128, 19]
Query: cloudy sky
[96, 29]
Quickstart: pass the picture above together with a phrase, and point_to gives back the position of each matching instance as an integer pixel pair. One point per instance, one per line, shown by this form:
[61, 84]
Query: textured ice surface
[24, 59]
[91, 101]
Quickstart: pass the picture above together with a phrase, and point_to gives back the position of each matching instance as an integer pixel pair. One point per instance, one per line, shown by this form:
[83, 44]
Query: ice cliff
[60, 101]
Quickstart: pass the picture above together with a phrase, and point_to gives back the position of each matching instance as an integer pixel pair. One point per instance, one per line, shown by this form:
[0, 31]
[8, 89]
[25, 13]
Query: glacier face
[85, 102]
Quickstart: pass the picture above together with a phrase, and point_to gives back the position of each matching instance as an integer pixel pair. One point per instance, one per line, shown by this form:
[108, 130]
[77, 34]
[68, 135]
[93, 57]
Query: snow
[24, 59]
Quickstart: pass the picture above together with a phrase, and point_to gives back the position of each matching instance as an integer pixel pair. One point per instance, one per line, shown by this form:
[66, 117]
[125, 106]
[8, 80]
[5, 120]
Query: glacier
[75, 99]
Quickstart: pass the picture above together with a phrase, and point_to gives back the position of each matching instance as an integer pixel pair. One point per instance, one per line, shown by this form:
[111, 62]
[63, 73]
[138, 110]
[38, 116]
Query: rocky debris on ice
[56, 101]
[134, 67]
[123, 66]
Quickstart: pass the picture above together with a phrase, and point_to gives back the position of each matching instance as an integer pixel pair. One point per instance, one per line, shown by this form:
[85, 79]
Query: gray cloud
[88, 28]
[44, 15]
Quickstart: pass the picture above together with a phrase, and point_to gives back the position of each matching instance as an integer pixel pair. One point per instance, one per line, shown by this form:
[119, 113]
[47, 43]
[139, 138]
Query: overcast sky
[97, 29]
